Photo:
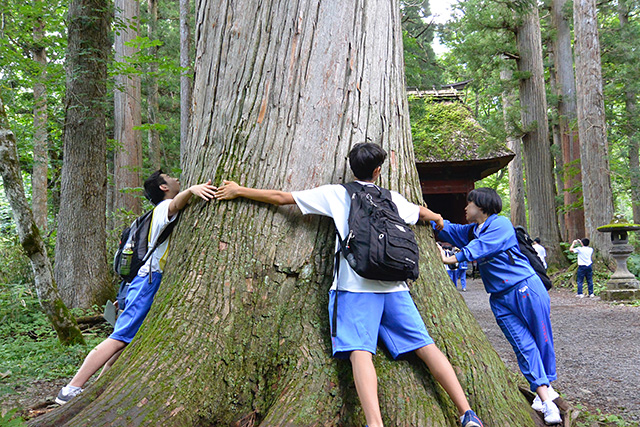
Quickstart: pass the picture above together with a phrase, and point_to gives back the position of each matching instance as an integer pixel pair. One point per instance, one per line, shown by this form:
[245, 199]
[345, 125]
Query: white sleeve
[409, 212]
[323, 200]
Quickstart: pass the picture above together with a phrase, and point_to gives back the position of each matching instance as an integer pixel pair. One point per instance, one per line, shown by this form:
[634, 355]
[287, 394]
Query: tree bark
[40, 142]
[126, 113]
[239, 333]
[566, 89]
[152, 98]
[514, 143]
[186, 86]
[535, 141]
[60, 317]
[81, 261]
[594, 156]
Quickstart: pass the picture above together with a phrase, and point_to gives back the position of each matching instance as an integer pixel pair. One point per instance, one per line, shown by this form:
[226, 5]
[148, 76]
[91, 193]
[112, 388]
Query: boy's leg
[589, 275]
[463, 278]
[95, 359]
[580, 278]
[366, 381]
[443, 372]
[110, 362]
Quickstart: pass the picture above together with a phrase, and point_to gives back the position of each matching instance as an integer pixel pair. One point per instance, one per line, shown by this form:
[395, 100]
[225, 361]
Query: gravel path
[597, 349]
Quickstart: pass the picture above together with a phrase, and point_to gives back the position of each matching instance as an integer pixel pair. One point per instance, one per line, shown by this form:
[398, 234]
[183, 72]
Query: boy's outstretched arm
[205, 191]
[231, 190]
[427, 214]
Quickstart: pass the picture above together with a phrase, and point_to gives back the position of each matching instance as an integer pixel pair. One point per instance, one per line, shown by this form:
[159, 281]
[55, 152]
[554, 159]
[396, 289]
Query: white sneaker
[67, 393]
[537, 402]
[579, 295]
[551, 413]
[592, 296]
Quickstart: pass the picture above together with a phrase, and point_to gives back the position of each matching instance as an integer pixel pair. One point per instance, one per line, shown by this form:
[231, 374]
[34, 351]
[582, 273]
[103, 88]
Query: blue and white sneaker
[470, 419]
[67, 393]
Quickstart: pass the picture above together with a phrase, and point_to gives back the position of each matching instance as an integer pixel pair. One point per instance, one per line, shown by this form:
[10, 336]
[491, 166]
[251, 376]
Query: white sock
[72, 387]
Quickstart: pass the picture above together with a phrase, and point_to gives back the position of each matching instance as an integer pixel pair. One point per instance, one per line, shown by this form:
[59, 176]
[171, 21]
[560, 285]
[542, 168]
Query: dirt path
[597, 349]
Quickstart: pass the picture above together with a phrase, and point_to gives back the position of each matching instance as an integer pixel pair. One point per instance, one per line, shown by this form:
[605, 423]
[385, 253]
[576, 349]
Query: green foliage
[11, 419]
[29, 348]
[588, 419]
[421, 68]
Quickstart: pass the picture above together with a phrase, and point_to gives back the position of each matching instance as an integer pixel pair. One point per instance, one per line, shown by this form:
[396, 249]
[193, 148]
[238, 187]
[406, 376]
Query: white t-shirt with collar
[584, 255]
[159, 222]
[333, 201]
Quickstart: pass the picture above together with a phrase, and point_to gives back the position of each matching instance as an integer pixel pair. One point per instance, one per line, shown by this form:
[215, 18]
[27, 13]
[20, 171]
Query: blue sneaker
[470, 419]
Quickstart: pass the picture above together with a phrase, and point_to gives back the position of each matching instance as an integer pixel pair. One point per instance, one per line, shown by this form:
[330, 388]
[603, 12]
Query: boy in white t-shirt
[164, 192]
[368, 308]
[585, 268]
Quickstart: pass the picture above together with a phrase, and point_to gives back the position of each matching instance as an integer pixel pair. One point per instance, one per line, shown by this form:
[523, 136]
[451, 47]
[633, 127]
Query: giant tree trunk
[514, 143]
[60, 317]
[40, 143]
[81, 261]
[536, 144]
[594, 156]
[566, 89]
[239, 331]
[126, 113]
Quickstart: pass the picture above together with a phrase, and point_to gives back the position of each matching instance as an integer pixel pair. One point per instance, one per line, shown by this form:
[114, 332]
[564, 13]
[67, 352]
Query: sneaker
[470, 419]
[537, 402]
[464, 289]
[579, 295]
[592, 296]
[551, 413]
[67, 393]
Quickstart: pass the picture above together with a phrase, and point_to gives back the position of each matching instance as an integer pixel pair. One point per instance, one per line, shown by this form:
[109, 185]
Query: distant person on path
[518, 299]
[542, 252]
[585, 264]
[462, 275]
[164, 192]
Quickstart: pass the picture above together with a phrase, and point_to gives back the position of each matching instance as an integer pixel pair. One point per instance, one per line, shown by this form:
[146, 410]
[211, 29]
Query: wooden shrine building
[452, 150]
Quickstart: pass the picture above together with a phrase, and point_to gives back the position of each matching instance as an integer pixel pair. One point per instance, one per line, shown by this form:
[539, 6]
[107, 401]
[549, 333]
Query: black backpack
[380, 245]
[133, 251]
[525, 244]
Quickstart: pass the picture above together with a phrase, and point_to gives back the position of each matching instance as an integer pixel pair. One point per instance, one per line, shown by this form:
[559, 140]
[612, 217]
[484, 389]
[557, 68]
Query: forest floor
[597, 349]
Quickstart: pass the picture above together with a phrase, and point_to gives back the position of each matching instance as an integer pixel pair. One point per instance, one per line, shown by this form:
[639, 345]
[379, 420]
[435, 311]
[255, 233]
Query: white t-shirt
[542, 253]
[159, 221]
[333, 201]
[584, 254]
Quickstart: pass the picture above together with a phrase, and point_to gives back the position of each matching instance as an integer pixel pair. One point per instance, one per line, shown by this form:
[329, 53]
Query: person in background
[542, 252]
[585, 268]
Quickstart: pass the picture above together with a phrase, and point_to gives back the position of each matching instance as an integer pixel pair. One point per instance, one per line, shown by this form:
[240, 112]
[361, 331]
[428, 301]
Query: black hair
[364, 158]
[585, 241]
[486, 199]
[152, 190]
[537, 240]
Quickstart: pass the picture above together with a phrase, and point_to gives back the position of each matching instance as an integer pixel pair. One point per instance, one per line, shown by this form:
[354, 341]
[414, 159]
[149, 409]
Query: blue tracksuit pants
[523, 315]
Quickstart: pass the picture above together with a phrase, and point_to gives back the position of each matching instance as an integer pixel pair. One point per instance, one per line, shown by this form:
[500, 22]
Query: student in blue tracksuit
[518, 299]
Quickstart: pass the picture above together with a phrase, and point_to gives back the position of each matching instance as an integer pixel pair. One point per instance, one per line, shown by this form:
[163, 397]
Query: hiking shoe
[470, 419]
[67, 393]
[579, 295]
[537, 402]
[551, 413]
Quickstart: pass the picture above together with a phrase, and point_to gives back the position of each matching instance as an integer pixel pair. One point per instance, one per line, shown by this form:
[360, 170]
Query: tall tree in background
[81, 261]
[40, 118]
[152, 81]
[186, 86]
[239, 334]
[127, 116]
[536, 143]
[421, 68]
[514, 143]
[596, 183]
[570, 144]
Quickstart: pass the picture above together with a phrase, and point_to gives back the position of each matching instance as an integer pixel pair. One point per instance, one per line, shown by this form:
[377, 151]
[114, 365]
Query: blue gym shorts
[137, 305]
[362, 317]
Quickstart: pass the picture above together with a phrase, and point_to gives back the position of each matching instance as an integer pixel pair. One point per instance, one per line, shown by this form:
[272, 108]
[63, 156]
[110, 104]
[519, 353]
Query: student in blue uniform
[518, 299]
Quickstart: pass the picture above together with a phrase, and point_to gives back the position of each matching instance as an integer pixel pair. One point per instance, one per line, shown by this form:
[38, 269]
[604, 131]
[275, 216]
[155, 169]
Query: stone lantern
[622, 285]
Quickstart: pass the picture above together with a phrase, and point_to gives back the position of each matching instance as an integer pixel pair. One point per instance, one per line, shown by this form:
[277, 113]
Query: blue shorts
[138, 302]
[362, 317]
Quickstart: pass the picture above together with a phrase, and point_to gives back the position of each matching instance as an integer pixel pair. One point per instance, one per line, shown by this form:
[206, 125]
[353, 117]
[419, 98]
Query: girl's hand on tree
[227, 191]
